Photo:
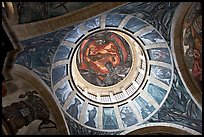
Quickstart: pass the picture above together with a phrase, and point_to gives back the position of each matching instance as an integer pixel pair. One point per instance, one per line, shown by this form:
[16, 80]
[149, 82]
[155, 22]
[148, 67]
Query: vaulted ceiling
[128, 69]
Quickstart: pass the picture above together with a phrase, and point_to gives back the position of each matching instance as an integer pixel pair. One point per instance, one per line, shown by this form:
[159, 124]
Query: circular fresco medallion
[106, 62]
[104, 58]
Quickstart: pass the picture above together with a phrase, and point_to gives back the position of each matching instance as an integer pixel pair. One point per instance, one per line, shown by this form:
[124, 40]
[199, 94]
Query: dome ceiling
[107, 69]
[115, 72]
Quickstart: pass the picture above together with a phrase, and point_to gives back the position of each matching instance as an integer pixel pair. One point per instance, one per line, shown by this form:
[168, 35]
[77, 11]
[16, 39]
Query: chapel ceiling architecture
[120, 68]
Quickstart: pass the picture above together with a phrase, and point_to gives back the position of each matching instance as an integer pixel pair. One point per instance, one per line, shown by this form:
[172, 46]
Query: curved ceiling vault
[115, 71]
[107, 69]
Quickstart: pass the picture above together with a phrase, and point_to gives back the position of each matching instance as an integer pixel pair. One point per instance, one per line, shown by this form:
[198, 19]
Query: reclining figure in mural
[104, 58]
[22, 113]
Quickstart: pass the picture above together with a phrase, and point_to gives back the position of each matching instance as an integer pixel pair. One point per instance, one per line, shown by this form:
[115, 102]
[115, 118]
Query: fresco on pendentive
[179, 108]
[104, 58]
[192, 42]
[161, 73]
[74, 107]
[159, 54]
[91, 116]
[109, 119]
[127, 115]
[63, 92]
[144, 107]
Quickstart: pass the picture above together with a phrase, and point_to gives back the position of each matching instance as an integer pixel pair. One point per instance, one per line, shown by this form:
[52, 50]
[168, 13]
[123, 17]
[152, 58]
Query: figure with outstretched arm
[22, 113]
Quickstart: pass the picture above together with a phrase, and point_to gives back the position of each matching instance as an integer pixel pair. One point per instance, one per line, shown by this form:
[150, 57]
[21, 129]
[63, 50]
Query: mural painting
[179, 108]
[74, 34]
[109, 119]
[92, 23]
[144, 107]
[62, 53]
[78, 129]
[114, 19]
[130, 25]
[151, 37]
[91, 116]
[74, 108]
[192, 45]
[58, 73]
[22, 113]
[161, 73]
[127, 115]
[104, 58]
[63, 92]
[160, 54]
[156, 92]
[36, 11]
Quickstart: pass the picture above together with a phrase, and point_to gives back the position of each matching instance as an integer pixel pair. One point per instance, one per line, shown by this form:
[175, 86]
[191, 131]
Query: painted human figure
[146, 108]
[63, 93]
[196, 29]
[129, 118]
[91, 117]
[73, 109]
[197, 65]
[160, 55]
[156, 92]
[100, 56]
[153, 36]
[161, 73]
[22, 113]
[109, 119]
[193, 39]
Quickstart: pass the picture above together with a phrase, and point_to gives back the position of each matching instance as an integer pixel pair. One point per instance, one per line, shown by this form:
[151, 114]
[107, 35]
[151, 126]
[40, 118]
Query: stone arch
[177, 52]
